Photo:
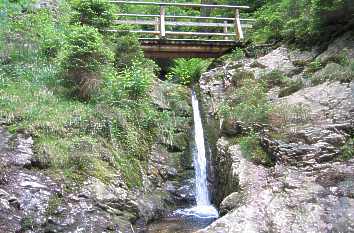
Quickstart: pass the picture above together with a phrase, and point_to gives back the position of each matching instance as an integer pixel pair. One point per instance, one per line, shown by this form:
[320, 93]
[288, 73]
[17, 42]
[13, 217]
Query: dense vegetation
[80, 92]
[83, 93]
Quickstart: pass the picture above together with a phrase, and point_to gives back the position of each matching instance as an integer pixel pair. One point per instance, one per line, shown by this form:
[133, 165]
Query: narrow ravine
[203, 213]
[203, 209]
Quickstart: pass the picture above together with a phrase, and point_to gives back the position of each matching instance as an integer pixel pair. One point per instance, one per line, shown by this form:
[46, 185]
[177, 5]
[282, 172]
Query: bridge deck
[174, 48]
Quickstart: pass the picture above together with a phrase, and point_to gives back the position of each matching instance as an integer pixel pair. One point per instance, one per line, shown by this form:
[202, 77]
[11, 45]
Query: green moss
[252, 150]
[275, 78]
[314, 66]
[333, 72]
[291, 87]
[348, 150]
[53, 203]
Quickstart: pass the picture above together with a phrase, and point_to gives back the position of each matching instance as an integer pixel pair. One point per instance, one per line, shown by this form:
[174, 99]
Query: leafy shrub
[127, 50]
[132, 83]
[301, 21]
[188, 71]
[83, 59]
[95, 13]
[238, 77]
[30, 36]
[252, 149]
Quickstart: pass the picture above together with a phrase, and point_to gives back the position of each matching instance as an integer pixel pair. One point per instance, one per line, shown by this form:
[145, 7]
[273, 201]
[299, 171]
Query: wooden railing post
[238, 27]
[157, 25]
[162, 22]
[225, 30]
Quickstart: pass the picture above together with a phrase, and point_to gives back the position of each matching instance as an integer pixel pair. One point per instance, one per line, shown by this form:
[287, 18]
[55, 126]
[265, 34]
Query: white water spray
[199, 159]
[203, 209]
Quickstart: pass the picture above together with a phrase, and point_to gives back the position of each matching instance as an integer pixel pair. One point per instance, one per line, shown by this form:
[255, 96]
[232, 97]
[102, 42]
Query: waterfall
[203, 209]
[199, 159]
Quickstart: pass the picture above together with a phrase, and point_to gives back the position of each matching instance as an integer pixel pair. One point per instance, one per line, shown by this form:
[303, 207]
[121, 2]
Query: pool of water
[178, 225]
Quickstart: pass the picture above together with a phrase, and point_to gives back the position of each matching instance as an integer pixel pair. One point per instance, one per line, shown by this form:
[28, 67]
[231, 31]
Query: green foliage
[95, 13]
[301, 21]
[27, 37]
[132, 83]
[348, 150]
[275, 78]
[249, 105]
[188, 71]
[237, 54]
[314, 66]
[127, 50]
[333, 72]
[252, 149]
[53, 203]
[28, 223]
[113, 131]
[84, 50]
[83, 59]
[291, 87]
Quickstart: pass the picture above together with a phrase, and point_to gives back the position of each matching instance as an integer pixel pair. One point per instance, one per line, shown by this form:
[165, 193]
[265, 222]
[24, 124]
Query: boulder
[278, 59]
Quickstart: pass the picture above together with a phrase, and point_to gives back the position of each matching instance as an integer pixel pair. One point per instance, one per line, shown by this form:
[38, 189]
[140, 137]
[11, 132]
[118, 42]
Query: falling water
[199, 159]
[203, 209]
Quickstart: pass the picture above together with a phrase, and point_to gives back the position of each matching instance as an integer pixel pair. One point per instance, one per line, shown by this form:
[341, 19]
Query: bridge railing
[160, 21]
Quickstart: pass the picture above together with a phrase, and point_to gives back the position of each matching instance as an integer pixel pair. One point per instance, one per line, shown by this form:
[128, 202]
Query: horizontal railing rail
[191, 5]
[159, 21]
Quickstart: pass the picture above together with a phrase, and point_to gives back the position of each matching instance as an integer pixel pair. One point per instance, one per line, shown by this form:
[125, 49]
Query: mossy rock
[333, 72]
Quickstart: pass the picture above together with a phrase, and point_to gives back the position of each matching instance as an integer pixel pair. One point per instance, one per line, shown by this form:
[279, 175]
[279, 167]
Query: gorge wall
[309, 186]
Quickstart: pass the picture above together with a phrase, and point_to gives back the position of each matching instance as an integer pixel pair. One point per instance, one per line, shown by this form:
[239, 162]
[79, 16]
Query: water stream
[204, 208]
[191, 219]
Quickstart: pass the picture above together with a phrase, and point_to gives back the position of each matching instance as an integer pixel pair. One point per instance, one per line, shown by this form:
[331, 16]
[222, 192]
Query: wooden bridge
[175, 43]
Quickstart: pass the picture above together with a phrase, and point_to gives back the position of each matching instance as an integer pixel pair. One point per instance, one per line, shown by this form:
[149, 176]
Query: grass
[60, 125]
[334, 72]
[252, 149]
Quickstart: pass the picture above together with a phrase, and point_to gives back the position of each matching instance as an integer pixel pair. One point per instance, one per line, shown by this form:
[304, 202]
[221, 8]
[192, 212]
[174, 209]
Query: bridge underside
[178, 48]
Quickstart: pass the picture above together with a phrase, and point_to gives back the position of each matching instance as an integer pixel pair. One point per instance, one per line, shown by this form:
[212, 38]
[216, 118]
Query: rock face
[33, 199]
[310, 187]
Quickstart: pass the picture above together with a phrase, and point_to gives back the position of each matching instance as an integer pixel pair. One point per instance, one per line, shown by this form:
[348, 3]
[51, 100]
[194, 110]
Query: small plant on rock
[252, 149]
[348, 149]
